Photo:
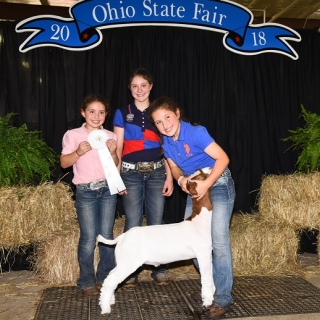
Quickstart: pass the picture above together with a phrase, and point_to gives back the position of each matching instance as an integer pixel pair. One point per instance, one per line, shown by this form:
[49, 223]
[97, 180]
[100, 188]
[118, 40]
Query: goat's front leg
[207, 284]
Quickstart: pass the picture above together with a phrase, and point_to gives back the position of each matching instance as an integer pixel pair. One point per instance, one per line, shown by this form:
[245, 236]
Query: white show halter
[204, 170]
[97, 140]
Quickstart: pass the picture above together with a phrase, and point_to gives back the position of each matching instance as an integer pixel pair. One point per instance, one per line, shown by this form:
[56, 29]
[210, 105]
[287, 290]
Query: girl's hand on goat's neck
[183, 185]
[202, 187]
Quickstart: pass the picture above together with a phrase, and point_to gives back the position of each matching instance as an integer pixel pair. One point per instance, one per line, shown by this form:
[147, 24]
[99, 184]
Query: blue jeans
[222, 195]
[96, 213]
[144, 195]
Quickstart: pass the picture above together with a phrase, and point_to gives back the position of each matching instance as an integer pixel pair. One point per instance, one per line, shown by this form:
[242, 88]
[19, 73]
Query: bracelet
[78, 153]
[181, 177]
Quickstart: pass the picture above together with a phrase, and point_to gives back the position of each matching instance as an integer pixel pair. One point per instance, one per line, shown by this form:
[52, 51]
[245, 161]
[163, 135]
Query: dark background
[248, 103]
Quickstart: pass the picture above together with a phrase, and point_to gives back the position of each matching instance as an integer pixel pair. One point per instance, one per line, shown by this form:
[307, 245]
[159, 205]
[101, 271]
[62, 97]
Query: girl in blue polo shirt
[143, 169]
[188, 148]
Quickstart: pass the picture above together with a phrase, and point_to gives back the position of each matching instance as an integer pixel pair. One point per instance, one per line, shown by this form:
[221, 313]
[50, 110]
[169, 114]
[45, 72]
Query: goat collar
[204, 170]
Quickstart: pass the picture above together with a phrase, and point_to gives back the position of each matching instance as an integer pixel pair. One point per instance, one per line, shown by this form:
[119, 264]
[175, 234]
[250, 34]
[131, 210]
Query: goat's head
[205, 201]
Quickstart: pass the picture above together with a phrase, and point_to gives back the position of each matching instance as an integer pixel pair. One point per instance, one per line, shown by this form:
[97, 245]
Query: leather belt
[143, 167]
[94, 185]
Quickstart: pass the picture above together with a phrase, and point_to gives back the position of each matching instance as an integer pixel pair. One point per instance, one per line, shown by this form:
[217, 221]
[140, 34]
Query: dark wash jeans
[143, 189]
[222, 195]
[96, 213]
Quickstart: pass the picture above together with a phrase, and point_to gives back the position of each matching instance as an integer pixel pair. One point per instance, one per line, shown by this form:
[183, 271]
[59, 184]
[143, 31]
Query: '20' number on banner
[62, 32]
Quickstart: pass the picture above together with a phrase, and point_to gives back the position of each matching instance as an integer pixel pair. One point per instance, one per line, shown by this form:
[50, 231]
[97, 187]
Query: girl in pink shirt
[95, 205]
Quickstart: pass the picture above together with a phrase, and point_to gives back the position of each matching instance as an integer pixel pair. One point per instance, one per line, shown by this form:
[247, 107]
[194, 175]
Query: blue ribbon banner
[88, 17]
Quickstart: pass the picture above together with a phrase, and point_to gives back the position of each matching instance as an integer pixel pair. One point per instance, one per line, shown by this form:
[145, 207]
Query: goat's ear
[203, 175]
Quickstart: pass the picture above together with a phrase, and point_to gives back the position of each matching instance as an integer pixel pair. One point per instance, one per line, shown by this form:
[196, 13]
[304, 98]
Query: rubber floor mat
[253, 296]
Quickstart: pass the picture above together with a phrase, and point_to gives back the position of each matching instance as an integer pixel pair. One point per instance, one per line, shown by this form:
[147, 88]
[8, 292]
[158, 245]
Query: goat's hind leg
[107, 292]
[109, 286]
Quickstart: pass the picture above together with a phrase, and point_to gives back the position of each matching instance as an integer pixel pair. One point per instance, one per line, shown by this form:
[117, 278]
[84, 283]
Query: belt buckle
[159, 164]
[225, 173]
[97, 185]
[126, 165]
[145, 167]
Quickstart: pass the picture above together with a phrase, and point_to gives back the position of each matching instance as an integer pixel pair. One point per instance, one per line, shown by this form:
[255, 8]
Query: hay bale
[29, 213]
[293, 198]
[262, 247]
[56, 257]
[55, 261]
[119, 226]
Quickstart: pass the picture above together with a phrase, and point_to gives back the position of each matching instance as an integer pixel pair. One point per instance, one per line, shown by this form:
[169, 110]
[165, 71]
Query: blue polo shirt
[188, 151]
[141, 139]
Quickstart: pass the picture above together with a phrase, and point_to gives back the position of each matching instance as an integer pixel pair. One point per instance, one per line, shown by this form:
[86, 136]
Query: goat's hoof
[206, 308]
[105, 315]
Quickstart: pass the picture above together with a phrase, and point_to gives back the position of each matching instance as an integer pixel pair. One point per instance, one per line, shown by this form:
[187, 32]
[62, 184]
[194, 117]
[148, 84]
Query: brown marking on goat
[204, 201]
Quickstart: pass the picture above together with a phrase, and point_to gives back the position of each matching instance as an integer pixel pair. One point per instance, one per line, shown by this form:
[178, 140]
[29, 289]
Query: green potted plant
[24, 157]
[31, 205]
[306, 139]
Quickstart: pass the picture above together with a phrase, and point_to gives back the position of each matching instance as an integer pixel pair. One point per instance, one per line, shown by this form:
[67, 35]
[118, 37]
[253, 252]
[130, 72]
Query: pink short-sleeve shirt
[88, 167]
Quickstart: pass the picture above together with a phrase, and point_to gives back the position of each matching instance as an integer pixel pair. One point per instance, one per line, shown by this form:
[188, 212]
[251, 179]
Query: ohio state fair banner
[88, 17]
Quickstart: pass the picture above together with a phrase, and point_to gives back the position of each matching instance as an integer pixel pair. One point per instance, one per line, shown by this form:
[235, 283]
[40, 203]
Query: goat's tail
[102, 239]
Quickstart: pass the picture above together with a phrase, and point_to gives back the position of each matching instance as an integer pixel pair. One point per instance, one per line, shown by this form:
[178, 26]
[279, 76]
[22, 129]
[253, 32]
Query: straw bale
[56, 258]
[29, 213]
[293, 198]
[55, 261]
[262, 247]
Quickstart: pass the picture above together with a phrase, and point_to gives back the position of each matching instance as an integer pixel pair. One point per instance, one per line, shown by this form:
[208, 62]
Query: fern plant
[307, 140]
[24, 157]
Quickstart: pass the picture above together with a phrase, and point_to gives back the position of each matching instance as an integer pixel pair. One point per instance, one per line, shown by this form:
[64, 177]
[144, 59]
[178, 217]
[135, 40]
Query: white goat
[162, 244]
